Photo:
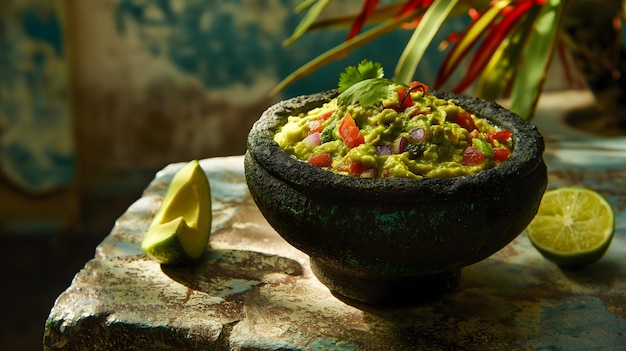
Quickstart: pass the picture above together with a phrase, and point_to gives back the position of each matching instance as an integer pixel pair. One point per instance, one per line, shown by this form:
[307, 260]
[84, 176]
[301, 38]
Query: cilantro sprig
[369, 92]
[365, 70]
[363, 84]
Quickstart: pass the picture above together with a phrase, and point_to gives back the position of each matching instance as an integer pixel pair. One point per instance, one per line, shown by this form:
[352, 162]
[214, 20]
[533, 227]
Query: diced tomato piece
[404, 98]
[473, 13]
[465, 120]
[351, 167]
[315, 126]
[452, 37]
[321, 160]
[353, 137]
[500, 154]
[356, 168]
[326, 115]
[472, 156]
[415, 84]
[501, 135]
[349, 132]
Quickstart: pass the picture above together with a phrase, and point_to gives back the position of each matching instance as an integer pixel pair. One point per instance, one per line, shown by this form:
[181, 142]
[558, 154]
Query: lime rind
[574, 226]
[577, 259]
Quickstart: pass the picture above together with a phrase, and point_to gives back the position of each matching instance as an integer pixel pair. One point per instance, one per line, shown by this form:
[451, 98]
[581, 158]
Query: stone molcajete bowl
[394, 241]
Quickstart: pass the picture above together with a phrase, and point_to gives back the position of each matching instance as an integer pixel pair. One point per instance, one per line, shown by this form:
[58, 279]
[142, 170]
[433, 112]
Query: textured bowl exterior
[395, 227]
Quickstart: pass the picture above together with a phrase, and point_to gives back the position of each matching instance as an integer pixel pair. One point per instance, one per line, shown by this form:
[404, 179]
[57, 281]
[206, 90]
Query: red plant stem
[413, 5]
[490, 44]
[444, 73]
[568, 66]
[366, 12]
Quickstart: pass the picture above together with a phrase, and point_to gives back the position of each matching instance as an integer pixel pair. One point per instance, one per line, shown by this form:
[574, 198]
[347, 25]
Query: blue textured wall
[36, 148]
[210, 40]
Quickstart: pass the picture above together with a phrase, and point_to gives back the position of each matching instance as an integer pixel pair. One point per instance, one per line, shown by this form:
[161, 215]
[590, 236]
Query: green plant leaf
[484, 53]
[423, 35]
[305, 4]
[315, 9]
[341, 50]
[384, 12]
[380, 14]
[532, 73]
[500, 71]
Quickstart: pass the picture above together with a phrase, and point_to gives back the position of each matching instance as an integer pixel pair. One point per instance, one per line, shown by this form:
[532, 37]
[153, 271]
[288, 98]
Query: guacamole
[408, 133]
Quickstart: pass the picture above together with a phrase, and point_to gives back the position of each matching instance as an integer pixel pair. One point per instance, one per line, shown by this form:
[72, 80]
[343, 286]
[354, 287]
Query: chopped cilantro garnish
[365, 70]
[327, 134]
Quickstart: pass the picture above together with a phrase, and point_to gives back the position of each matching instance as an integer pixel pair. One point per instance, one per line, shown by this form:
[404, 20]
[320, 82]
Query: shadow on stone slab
[476, 316]
[226, 273]
[362, 290]
[606, 272]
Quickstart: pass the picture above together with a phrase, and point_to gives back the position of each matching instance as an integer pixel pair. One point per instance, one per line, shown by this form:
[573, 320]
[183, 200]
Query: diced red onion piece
[399, 145]
[417, 134]
[312, 139]
[383, 150]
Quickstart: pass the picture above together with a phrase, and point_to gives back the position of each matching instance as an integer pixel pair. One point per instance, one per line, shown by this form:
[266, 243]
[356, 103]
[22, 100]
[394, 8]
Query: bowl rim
[527, 154]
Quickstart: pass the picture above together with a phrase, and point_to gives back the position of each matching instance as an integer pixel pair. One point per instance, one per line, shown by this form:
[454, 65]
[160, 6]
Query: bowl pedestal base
[380, 290]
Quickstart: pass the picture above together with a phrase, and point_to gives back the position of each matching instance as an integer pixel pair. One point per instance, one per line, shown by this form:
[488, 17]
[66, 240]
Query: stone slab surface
[253, 291]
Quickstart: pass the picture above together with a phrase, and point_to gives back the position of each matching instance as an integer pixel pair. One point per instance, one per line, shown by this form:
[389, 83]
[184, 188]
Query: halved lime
[573, 227]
